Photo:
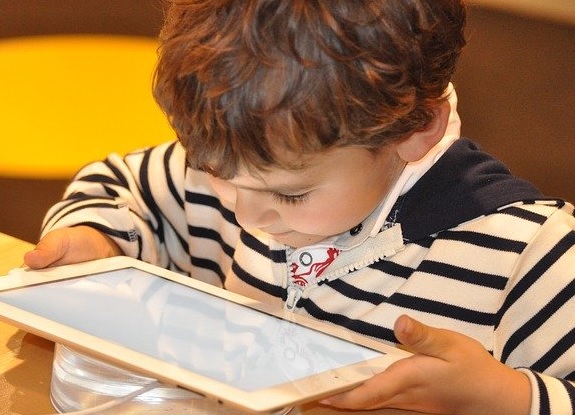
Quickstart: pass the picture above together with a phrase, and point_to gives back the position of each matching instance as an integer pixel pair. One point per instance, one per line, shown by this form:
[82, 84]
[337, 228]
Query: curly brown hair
[242, 81]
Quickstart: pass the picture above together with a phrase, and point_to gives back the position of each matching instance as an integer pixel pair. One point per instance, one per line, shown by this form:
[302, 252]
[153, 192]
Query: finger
[422, 339]
[48, 251]
[409, 332]
[361, 397]
[37, 259]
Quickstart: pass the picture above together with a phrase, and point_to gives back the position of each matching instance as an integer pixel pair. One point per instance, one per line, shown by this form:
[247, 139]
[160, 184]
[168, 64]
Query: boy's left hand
[449, 373]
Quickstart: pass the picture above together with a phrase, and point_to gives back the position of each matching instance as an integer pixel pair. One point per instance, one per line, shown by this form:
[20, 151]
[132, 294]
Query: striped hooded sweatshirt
[468, 248]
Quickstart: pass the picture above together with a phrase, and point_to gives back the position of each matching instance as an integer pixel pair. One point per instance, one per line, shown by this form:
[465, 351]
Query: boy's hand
[450, 373]
[71, 245]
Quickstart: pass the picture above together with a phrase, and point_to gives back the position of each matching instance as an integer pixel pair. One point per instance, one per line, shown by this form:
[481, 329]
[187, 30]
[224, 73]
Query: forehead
[293, 172]
[306, 170]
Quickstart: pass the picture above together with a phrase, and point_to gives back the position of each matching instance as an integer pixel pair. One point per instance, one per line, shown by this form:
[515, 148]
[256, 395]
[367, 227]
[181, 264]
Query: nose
[253, 209]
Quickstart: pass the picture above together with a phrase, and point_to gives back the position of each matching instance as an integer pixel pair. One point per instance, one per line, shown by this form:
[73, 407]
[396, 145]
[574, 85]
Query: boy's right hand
[69, 246]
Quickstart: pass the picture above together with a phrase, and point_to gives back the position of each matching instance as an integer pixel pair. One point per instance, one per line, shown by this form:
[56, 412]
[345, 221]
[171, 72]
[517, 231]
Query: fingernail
[405, 324]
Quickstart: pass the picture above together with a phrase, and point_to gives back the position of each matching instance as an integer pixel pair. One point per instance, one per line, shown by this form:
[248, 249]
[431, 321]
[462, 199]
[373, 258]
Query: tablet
[190, 334]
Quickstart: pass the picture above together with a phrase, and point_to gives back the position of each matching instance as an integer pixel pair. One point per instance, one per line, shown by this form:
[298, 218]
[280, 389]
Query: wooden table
[26, 359]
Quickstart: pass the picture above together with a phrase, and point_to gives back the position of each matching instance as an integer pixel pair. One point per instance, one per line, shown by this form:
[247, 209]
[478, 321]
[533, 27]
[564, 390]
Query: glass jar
[81, 382]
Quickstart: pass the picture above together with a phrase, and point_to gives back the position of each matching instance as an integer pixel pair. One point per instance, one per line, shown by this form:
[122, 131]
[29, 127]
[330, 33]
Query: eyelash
[290, 199]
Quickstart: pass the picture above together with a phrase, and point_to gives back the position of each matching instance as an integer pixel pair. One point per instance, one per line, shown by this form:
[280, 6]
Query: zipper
[294, 293]
[385, 244]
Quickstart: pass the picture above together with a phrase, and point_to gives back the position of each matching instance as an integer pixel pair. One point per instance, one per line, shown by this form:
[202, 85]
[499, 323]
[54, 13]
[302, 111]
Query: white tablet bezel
[259, 401]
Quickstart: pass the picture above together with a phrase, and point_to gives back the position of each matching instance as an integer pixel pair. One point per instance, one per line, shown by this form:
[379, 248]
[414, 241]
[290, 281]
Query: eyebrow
[280, 189]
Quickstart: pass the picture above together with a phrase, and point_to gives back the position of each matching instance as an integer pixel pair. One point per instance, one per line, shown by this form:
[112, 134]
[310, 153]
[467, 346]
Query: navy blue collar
[464, 183]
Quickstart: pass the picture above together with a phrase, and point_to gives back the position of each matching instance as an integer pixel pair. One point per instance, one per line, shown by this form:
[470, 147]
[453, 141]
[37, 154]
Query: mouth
[278, 234]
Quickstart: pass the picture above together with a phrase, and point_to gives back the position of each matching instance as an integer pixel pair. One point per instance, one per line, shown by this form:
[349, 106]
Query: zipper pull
[294, 293]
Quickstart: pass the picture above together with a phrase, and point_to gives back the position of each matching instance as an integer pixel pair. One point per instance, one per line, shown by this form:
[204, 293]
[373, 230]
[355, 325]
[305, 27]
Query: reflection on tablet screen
[189, 328]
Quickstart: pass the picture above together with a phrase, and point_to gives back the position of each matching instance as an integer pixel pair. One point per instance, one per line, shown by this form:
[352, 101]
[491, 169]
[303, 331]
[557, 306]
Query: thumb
[420, 338]
[49, 250]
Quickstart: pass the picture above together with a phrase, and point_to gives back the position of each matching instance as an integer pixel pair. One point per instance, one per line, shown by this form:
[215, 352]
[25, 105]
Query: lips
[278, 234]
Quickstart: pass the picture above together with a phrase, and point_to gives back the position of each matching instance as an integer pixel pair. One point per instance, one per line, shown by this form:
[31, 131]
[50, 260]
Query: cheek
[328, 218]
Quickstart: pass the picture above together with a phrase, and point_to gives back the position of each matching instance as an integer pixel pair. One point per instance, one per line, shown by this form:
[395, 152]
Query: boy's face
[336, 191]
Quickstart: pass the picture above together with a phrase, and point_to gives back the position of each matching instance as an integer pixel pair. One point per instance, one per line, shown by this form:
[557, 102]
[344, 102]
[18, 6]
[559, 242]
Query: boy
[319, 167]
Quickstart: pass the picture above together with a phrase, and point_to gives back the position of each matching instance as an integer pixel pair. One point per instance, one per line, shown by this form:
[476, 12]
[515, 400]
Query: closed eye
[290, 199]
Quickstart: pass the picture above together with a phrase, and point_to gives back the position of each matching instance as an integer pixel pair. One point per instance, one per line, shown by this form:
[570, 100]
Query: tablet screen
[189, 328]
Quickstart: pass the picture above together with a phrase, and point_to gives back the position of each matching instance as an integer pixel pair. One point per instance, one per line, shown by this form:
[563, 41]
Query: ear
[418, 144]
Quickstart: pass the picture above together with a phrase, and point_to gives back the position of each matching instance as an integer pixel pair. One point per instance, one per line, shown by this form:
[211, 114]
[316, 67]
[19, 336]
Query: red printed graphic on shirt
[303, 273]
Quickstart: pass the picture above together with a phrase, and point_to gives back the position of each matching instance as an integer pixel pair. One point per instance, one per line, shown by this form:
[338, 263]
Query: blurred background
[516, 87]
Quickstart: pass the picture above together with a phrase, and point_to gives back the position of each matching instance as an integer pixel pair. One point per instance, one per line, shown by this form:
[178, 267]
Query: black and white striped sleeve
[130, 199]
[537, 317]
